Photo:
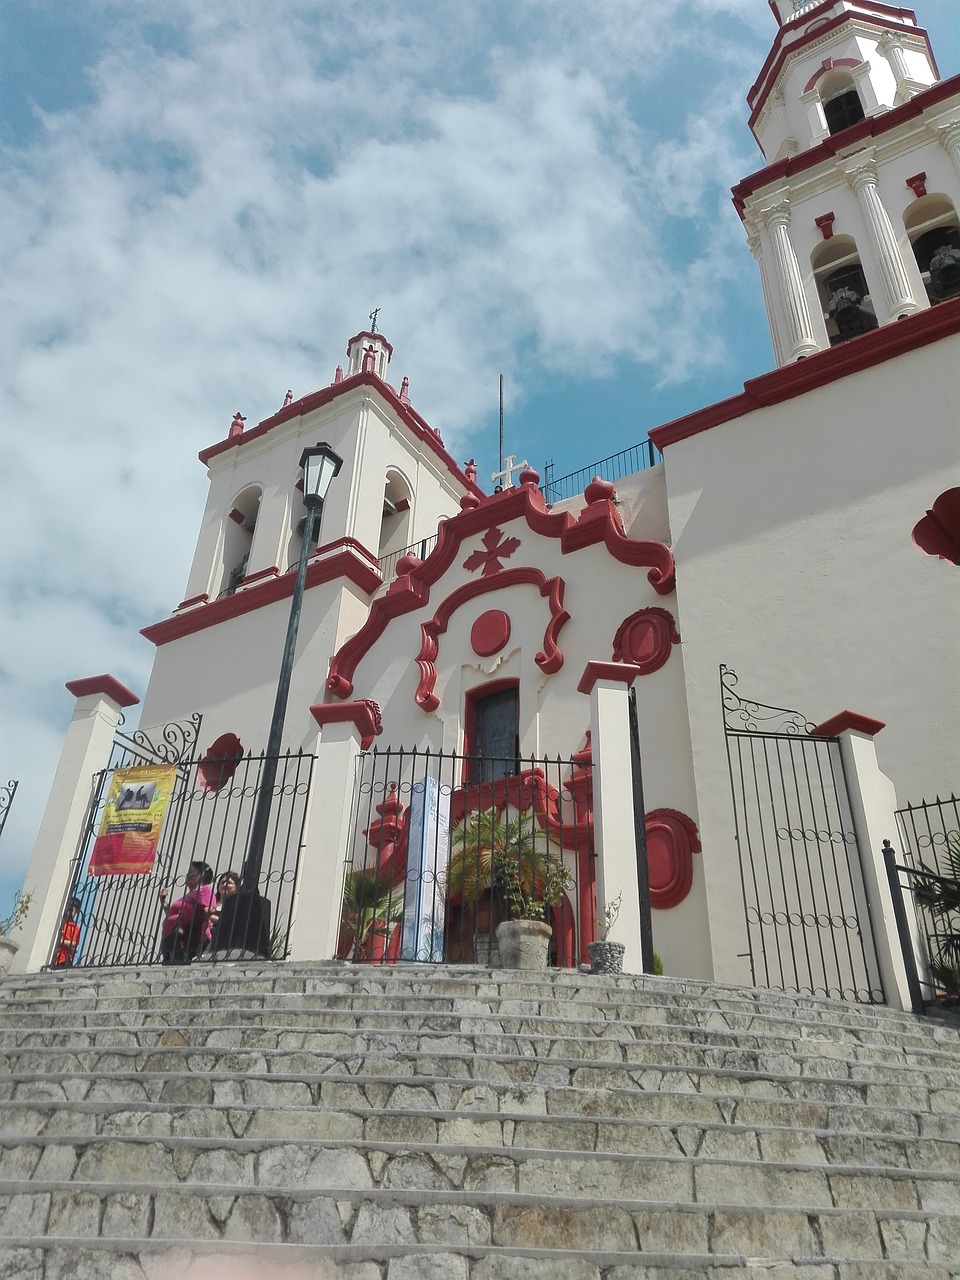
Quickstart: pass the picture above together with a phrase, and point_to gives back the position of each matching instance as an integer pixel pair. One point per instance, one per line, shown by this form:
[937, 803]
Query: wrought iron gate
[807, 913]
[436, 835]
[207, 820]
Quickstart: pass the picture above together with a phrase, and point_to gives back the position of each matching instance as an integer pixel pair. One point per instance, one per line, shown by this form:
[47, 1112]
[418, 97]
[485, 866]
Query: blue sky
[200, 204]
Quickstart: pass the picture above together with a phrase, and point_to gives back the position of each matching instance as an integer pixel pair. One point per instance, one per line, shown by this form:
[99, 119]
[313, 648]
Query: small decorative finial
[338, 376]
[236, 426]
[373, 319]
[470, 471]
[288, 399]
[405, 391]
[507, 473]
[369, 360]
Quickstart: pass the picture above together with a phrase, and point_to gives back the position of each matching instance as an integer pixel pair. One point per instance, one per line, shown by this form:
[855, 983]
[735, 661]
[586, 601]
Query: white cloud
[213, 225]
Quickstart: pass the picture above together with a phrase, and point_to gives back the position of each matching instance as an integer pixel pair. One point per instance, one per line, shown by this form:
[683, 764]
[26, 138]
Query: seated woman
[186, 922]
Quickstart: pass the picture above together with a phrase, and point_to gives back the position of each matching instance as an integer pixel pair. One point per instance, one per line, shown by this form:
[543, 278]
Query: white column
[326, 844]
[873, 804]
[613, 821]
[800, 337]
[949, 137]
[756, 248]
[86, 750]
[860, 171]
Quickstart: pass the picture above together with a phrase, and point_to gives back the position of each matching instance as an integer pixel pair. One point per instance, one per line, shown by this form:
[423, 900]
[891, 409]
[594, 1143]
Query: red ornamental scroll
[130, 830]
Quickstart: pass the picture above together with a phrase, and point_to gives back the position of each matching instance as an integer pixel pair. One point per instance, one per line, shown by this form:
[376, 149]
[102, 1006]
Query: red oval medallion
[490, 632]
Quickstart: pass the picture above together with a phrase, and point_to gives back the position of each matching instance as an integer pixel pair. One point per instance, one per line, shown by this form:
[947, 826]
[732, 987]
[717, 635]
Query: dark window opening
[494, 742]
[846, 288]
[844, 110]
[938, 255]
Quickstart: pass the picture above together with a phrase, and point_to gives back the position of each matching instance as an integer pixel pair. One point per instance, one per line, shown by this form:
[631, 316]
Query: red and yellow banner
[130, 831]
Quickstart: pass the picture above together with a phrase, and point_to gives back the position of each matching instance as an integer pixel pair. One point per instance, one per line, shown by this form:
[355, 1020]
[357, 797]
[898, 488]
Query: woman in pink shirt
[186, 922]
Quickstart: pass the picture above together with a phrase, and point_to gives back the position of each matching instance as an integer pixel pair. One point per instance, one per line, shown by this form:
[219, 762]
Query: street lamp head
[320, 464]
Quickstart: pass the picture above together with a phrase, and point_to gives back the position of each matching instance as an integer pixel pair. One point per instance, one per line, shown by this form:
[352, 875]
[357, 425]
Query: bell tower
[853, 219]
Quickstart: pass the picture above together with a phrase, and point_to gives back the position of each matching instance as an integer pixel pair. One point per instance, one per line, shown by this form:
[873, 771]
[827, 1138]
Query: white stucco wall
[795, 567]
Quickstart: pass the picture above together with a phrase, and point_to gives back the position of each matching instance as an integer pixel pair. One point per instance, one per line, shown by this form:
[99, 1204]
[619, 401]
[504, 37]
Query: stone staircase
[404, 1123]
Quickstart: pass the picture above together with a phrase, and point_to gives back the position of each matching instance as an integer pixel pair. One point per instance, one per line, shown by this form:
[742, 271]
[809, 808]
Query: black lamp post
[245, 919]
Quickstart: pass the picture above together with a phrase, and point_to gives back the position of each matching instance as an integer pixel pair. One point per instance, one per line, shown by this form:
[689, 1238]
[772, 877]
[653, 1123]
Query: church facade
[776, 553]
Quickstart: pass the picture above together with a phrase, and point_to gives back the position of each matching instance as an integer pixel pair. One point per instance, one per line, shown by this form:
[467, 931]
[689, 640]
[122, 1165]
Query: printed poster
[132, 817]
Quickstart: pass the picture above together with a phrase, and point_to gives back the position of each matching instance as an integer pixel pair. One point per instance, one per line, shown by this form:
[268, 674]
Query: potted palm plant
[507, 860]
[370, 911]
[940, 896]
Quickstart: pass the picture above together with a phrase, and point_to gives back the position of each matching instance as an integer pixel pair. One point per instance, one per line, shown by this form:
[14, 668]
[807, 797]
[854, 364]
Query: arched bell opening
[396, 515]
[842, 289]
[934, 231]
[239, 527]
[841, 101]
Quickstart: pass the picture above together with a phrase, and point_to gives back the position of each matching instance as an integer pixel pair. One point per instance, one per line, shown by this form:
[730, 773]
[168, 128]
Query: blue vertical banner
[428, 852]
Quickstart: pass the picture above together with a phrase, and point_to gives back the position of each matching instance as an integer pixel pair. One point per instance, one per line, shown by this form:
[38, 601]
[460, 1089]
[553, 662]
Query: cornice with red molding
[342, 564]
[326, 395]
[364, 713]
[863, 352]
[830, 148]
[844, 720]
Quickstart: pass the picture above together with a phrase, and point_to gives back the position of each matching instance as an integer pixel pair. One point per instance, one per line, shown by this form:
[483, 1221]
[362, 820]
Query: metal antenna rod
[501, 422]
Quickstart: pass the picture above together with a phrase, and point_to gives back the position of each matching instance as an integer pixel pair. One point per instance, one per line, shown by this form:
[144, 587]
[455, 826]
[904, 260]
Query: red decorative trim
[237, 516]
[870, 126]
[343, 564]
[490, 633]
[870, 349]
[364, 713]
[496, 548]
[829, 64]
[938, 533]
[188, 604]
[260, 574]
[918, 184]
[403, 505]
[672, 839]
[411, 590]
[106, 685]
[844, 720]
[825, 223]
[625, 672]
[365, 333]
[220, 761]
[326, 395]
[646, 639]
[549, 660]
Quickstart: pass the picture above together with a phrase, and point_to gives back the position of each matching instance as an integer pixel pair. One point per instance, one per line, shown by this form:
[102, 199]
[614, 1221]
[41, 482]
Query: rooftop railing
[639, 457]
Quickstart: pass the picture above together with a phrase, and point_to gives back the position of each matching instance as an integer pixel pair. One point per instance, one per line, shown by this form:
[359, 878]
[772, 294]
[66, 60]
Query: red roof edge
[844, 720]
[873, 348]
[105, 685]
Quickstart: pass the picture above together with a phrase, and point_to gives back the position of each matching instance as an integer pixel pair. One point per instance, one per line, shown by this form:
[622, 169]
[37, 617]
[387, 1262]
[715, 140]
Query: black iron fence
[207, 822]
[446, 846]
[421, 549]
[808, 921]
[925, 878]
[639, 457]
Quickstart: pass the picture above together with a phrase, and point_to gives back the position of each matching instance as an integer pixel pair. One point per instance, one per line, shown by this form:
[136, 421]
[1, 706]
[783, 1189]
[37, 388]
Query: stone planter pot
[606, 957]
[524, 944]
[8, 949]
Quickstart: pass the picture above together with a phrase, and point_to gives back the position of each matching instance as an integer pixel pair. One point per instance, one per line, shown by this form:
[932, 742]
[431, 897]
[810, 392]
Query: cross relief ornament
[497, 548]
[507, 473]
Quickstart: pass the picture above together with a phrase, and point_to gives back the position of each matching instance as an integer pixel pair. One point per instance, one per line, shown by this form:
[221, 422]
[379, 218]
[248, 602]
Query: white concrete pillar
[800, 337]
[86, 750]
[860, 171]
[326, 841]
[613, 819]
[873, 804]
[769, 295]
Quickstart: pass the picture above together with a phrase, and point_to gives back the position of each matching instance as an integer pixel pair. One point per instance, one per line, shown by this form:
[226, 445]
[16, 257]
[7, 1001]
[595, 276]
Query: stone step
[25, 1130]
[294, 1031]
[348, 1224]
[154, 1260]
[387, 984]
[360, 1092]
[654, 1096]
[470, 1163]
